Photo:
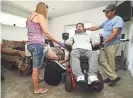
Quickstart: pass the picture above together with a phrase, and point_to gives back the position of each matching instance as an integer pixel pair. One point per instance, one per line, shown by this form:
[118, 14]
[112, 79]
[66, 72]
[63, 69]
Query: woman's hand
[62, 45]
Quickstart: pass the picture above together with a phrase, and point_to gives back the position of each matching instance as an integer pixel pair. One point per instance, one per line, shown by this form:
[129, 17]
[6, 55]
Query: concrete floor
[16, 86]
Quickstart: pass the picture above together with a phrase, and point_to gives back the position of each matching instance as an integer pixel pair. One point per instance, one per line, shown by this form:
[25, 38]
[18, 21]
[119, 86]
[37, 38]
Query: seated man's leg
[75, 64]
[93, 65]
[93, 62]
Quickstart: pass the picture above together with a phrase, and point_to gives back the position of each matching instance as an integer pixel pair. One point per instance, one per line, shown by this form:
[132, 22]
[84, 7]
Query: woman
[37, 25]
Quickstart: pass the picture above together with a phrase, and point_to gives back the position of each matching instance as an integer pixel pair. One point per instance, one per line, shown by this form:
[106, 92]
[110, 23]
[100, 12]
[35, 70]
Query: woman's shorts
[37, 53]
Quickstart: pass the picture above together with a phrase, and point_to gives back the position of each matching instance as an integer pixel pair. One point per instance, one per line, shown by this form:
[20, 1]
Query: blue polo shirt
[108, 26]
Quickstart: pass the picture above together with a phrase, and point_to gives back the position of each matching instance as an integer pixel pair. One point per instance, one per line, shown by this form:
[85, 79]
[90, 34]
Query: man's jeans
[107, 60]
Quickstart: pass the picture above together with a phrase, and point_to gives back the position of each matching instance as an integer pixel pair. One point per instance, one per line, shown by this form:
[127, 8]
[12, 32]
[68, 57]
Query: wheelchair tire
[68, 82]
[101, 85]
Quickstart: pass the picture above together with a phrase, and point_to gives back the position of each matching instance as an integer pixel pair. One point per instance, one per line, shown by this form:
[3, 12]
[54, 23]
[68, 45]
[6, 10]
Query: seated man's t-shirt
[53, 73]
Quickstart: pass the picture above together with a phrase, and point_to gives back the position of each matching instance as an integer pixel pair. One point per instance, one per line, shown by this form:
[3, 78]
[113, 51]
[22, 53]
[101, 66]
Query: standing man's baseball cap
[110, 8]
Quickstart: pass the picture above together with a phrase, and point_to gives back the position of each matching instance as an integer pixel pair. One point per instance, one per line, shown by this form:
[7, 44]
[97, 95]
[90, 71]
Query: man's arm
[113, 35]
[94, 28]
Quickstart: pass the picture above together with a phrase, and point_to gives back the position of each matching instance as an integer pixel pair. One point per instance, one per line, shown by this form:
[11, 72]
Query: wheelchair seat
[84, 63]
[83, 59]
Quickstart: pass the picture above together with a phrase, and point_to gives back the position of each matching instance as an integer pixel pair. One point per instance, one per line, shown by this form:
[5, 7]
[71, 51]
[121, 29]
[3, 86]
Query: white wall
[13, 33]
[94, 16]
[128, 30]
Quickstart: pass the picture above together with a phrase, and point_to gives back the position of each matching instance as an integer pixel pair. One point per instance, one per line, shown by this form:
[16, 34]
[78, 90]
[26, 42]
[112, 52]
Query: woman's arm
[44, 26]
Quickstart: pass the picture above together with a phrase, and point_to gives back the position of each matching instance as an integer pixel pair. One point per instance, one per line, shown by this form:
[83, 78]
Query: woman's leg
[35, 78]
[37, 57]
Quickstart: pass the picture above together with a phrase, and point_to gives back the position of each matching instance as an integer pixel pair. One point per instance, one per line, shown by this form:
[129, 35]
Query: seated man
[81, 46]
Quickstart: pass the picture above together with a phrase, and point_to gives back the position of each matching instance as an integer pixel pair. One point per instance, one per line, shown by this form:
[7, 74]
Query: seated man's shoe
[93, 79]
[107, 80]
[113, 82]
[81, 79]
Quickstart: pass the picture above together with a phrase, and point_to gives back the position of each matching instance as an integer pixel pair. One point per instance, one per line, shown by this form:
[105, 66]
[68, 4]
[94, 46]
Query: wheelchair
[70, 81]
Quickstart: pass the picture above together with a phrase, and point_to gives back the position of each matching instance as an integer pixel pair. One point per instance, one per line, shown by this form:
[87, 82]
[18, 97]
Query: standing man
[111, 36]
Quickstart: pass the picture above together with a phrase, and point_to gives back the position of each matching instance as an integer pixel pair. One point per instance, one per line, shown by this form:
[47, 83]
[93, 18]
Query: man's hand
[93, 43]
[105, 42]
[113, 35]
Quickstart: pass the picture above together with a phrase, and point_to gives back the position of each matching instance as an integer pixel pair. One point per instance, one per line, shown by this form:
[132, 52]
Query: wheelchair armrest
[124, 40]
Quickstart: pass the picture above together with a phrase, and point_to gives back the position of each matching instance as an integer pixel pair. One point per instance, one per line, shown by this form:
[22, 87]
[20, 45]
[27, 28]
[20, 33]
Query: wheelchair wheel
[68, 82]
[101, 84]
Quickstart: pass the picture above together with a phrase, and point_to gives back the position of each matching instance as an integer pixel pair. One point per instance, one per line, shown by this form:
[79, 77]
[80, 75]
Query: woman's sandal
[41, 91]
